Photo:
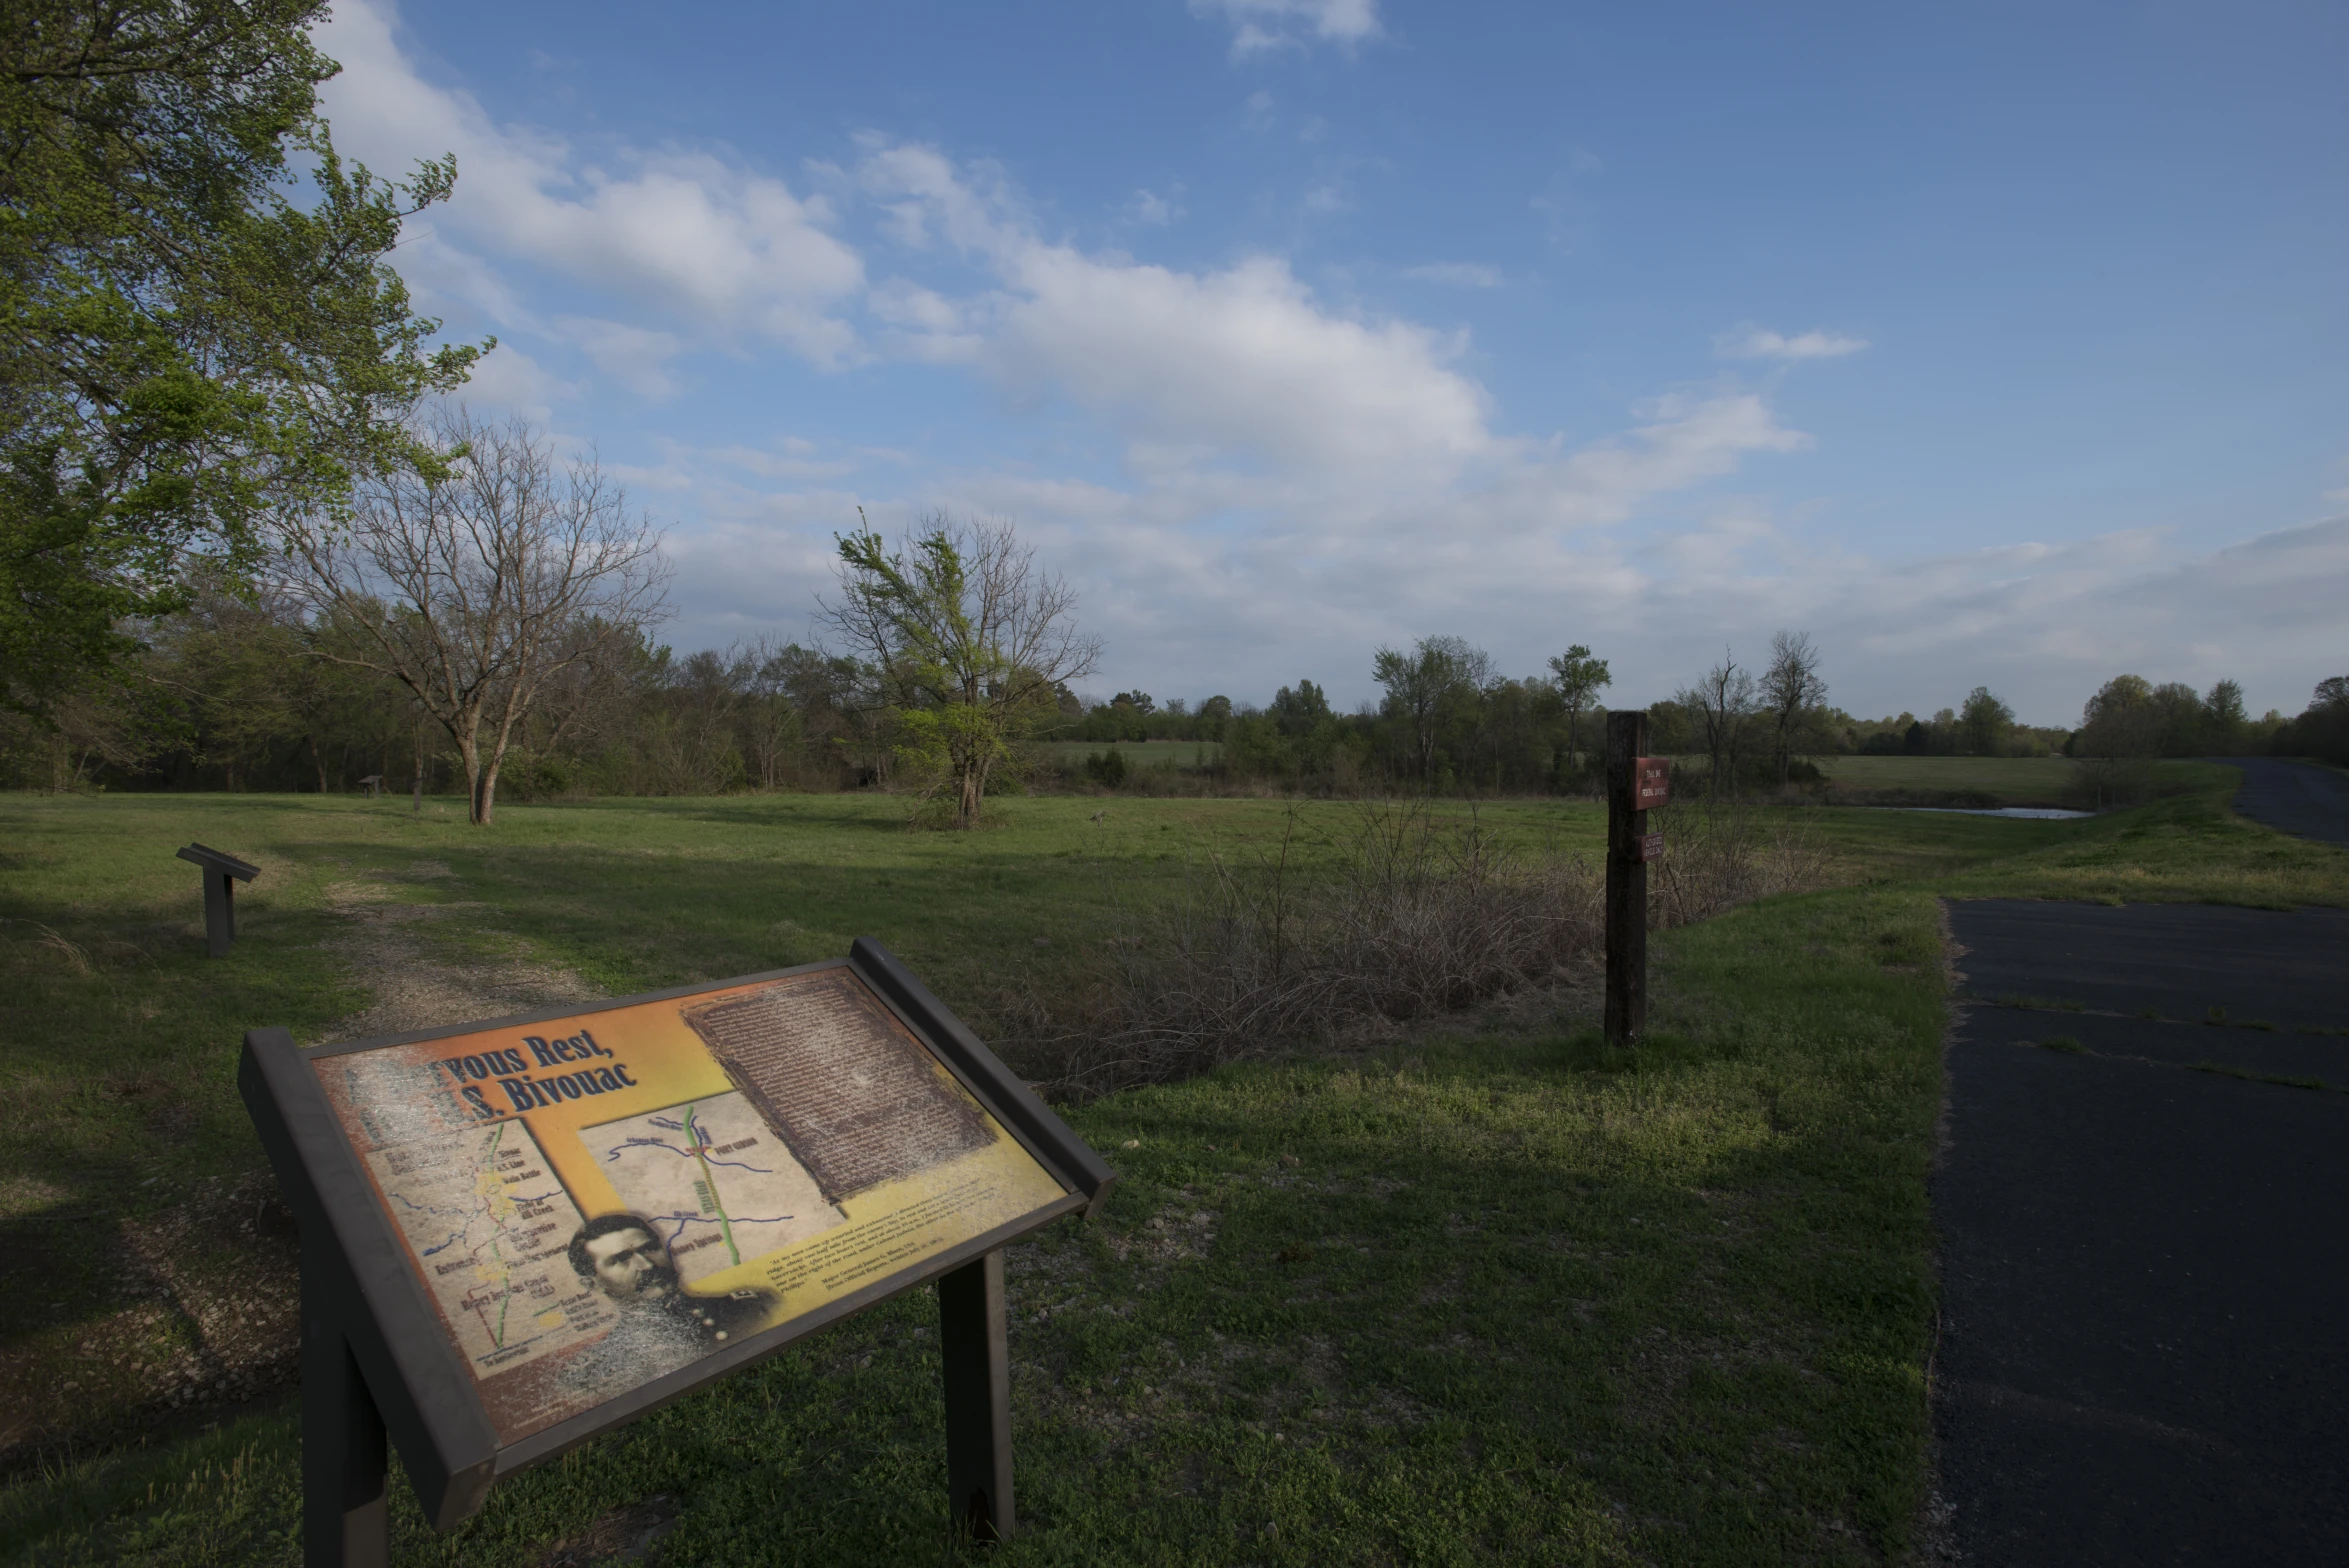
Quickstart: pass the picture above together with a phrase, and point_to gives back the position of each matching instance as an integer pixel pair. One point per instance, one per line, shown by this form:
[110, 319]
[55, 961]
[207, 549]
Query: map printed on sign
[718, 1187]
[597, 1201]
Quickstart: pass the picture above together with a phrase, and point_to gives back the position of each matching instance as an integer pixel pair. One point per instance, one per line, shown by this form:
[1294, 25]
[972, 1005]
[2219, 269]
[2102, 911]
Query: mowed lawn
[1487, 1293]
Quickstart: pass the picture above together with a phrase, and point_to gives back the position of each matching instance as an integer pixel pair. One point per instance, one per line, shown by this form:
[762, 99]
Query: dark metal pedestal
[977, 1361]
[222, 873]
[346, 1515]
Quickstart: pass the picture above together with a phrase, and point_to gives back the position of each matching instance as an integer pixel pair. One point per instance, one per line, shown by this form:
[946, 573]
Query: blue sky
[1988, 344]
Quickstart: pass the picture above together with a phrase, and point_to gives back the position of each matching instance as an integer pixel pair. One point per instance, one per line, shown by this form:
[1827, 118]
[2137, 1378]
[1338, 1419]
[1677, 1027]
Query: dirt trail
[213, 1316]
[417, 986]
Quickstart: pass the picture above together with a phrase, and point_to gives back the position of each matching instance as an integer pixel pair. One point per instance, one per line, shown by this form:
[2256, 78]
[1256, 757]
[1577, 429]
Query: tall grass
[1403, 916]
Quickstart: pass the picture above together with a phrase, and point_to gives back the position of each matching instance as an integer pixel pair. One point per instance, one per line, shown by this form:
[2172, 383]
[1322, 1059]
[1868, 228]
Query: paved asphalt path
[2144, 1350]
[2312, 802]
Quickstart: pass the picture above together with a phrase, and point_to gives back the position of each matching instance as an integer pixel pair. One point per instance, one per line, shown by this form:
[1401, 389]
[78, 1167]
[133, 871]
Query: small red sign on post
[1651, 782]
[1651, 846]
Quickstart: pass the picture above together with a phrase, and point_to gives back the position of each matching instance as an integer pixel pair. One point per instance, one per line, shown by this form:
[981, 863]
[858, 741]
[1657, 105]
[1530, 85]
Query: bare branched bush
[1405, 917]
[1717, 856]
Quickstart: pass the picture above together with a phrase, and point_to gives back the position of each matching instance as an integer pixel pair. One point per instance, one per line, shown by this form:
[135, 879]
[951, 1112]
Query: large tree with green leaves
[972, 641]
[1579, 679]
[1435, 684]
[197, 326]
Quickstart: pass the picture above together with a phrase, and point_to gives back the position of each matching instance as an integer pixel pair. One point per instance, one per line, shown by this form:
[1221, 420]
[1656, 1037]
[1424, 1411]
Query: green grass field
[2014, 781]
[1487, 1293]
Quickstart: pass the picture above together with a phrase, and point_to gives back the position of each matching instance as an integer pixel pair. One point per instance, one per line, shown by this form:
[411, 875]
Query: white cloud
[1148, 207]
[1263, 25]
[1240, 362]
[636, 357]
[1758, 343]
[508, 379]
[1460, 274]
[682, 235]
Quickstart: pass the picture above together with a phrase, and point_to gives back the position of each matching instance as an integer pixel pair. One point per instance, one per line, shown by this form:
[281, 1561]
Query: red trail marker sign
[1651, 783]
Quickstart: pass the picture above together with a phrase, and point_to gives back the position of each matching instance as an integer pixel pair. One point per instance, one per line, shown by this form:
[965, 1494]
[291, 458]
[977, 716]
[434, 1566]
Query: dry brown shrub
[1404, 916]
[1718, 855]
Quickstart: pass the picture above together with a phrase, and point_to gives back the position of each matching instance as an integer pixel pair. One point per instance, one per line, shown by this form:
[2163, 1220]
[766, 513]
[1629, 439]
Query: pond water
[2034, 813]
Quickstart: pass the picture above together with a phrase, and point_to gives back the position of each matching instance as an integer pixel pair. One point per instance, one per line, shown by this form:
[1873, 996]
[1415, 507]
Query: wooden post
[346, 1513]
[1627, 881]
[976, 1356]
[220, 912]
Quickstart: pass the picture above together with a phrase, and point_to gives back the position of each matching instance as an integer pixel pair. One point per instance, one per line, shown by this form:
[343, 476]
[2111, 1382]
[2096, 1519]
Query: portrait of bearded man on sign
[661, 1326]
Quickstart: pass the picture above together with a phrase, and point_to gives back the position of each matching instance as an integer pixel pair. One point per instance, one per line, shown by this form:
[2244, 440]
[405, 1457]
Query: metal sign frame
[377, 1356]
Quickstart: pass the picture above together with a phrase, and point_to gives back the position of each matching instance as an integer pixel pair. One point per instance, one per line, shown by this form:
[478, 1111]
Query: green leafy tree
[193, 335]
[1429, 689]
[2224, 718]
[1579, 679]
[972, 642]
[2322, 729]
[1984, 723]
[1214, 714]
[1300, 710]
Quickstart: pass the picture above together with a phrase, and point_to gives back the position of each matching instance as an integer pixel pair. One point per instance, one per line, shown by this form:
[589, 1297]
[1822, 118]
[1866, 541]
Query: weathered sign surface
[1651, 846]
[531, 1231]
[594, 1201]
[1651, 782]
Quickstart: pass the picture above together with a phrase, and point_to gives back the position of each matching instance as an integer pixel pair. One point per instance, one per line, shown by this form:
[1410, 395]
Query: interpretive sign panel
[1651, 783]
[552, 1224]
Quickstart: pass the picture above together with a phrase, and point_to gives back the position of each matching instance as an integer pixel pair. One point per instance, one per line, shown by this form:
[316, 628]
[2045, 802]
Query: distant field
[2015, 781]
[1139, 753]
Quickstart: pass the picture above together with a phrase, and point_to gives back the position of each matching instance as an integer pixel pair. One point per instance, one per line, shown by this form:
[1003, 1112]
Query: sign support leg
[976, 1354]
[1627, 882]
[346, 1513]
[220, 927]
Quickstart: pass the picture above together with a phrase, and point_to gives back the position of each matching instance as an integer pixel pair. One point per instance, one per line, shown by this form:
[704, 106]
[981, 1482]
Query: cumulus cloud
[1259, 26]
[685, 235]
[1301, 479]
[1238, 362]
[1758, 343]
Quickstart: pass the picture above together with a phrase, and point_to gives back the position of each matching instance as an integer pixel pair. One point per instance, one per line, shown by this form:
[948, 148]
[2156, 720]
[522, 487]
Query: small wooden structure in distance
[222, 872]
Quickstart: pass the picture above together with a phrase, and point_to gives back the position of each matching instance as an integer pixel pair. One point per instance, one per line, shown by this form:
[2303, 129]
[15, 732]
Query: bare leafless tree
[1791, 688]
[971, 641]
[1724, 705]
[487, 590]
